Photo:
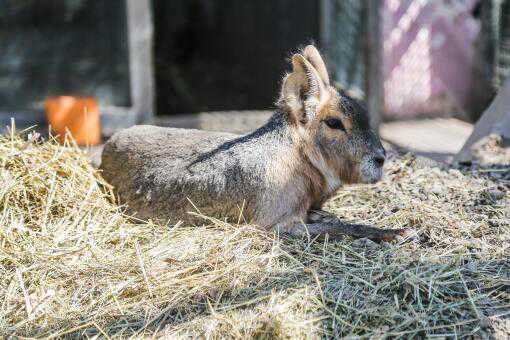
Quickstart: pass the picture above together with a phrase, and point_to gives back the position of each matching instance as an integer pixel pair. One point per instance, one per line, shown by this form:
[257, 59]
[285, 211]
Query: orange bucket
[79, 116]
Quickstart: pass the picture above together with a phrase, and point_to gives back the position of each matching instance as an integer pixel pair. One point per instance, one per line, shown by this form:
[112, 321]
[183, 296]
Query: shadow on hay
[365, 292]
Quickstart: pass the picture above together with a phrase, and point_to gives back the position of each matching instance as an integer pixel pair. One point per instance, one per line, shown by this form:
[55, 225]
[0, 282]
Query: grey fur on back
[163, 173]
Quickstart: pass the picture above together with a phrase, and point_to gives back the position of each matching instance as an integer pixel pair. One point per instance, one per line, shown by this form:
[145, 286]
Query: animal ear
[314, 57]
[303, 89]
[291, 96]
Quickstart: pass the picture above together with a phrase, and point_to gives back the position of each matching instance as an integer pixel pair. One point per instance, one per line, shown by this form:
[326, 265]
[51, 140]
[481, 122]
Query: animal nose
[379, 159]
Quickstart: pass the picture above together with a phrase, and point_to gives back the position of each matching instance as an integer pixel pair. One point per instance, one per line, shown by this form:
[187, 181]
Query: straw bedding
[72, 265]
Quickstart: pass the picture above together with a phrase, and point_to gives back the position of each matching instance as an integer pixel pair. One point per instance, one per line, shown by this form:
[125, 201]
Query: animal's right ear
[314, 57]
[303, 90]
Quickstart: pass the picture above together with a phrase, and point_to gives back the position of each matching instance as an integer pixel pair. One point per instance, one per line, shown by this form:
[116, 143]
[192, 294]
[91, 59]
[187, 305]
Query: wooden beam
[115, 118]
[140, 30]
[373, 78]
[325, 27]
[22, 120]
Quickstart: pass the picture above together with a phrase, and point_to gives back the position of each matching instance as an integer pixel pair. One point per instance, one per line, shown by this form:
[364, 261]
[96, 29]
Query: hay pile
[490, 151]
[71, 264]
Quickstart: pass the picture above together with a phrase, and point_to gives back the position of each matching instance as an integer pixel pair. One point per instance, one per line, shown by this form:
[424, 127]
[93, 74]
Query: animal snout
[372, 166]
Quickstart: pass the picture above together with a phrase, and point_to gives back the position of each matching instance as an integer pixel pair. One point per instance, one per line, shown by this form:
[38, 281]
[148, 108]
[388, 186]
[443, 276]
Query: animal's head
[334, 128]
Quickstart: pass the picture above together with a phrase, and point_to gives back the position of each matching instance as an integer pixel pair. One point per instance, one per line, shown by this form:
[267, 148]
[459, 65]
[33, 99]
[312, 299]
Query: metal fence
[503, 42]
[343, 31]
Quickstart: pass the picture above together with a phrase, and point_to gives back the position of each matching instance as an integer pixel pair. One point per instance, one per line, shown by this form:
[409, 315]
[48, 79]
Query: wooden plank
[437, 138]
[373, 77]
[140, 29]
[325, 24]
[496, 119]
[22, 120]
[114, 118]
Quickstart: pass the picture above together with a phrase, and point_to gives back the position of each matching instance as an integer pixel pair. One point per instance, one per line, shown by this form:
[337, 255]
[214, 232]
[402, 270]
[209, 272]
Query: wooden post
[140, 30]
[325, 24]
[373, 78]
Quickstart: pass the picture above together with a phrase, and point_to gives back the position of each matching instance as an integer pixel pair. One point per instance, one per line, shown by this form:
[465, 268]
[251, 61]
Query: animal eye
[334, 123]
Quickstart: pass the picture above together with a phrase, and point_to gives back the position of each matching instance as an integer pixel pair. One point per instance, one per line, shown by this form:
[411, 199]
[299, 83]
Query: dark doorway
[215, 55]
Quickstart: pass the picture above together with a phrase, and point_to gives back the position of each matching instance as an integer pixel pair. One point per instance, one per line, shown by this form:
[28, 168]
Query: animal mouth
[370, 172]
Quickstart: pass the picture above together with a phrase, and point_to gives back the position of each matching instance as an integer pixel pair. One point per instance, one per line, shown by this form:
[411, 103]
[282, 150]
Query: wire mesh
[345, 31]
[503, 54]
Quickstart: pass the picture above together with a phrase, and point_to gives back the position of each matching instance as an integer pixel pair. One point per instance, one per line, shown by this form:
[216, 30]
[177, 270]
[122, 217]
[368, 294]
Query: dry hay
[491, 150]
[72, 265]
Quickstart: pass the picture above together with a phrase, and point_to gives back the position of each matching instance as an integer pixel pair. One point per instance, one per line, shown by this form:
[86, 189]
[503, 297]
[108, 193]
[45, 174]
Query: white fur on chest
[333, 182]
